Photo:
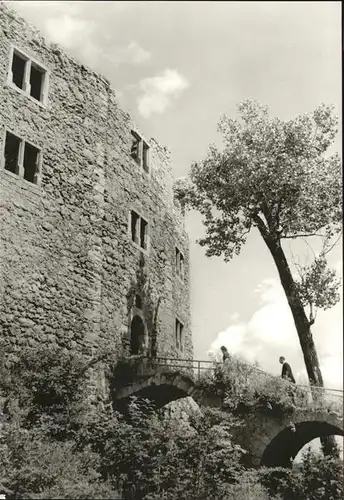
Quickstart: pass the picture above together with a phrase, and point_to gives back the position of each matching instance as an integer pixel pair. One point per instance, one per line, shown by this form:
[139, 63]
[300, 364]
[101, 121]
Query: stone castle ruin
[93, 246]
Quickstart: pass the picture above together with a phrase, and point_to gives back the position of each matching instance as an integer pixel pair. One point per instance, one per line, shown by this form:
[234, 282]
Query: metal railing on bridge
[310, 396]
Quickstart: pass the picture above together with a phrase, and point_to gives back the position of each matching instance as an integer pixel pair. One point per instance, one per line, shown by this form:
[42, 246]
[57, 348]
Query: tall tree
[277, 177]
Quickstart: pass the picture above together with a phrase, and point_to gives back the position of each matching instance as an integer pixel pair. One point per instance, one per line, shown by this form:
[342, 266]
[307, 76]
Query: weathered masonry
[93, 247]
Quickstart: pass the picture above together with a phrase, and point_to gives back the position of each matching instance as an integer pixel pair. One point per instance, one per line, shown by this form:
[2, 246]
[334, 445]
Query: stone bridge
[272, 438]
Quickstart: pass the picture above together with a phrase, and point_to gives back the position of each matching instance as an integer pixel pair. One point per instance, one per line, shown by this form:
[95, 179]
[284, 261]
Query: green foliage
[271, 174]
[318, 286]
[56, 444]
[316, 478]
[274, 176]
[47, 385]
[34, 466]
[245, 386]
[99, 453]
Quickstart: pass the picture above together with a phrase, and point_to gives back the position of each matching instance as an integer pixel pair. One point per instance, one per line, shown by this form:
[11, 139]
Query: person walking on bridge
[225, 353]
[286, 370]
[287, 374]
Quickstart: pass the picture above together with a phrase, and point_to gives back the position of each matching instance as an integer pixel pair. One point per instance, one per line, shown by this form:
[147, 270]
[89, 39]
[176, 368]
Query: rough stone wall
[68, 268]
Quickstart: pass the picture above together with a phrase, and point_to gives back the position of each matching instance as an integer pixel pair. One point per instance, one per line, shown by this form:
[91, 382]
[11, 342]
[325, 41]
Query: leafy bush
[33, 466]
[244, 386]
[47, 384]
[56, 443]
[316, 478]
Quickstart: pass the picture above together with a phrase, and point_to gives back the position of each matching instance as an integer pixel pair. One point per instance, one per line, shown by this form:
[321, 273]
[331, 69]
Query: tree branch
[261, 226]
[323, 253]
[309, 246]
[285, 237]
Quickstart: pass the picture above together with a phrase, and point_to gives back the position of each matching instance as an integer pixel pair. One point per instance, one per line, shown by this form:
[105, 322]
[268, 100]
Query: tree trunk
[300, 319]
[303, 328]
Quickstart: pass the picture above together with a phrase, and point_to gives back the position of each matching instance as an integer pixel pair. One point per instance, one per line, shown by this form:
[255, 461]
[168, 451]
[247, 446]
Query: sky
[176, 68]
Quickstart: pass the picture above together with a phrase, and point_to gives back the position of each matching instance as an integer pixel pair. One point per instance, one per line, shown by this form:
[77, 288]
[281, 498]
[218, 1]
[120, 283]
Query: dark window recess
[179, 264]
[135, 147]
[30, 162]
[143, 234]
[179, 335]
[134, 223]
[12, 145]
[137, 336]
[181, 268]
[138, 302]
[18, 70]
[36, 82]
[145, 149]
[139, 230]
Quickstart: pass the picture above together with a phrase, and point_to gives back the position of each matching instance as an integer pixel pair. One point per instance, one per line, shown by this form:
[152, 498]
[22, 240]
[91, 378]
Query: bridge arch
[284, 447]
[162, 388]
[267, 436]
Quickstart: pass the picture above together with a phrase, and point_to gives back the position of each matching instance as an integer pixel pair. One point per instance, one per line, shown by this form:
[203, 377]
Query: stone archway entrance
[137, 335]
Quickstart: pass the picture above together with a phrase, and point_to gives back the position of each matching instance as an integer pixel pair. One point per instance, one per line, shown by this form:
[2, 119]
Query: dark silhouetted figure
[286, 370]
[287, 374]
[225, 353]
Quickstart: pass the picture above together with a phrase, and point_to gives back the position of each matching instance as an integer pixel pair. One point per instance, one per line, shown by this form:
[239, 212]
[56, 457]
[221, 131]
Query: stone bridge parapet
[271, 437]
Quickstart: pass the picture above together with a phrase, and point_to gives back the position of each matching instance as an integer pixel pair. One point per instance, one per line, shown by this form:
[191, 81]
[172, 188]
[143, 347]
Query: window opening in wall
[143, 234]
[134, 223]
[21, 158]
[179, 264]
[12, 145]
[36, 82]
[18, 70]
[139, 151]
[139, 230]
[135, 147]
[28, 76]
[179, 335]
[30, 162]
[145, 156]
[138, 302]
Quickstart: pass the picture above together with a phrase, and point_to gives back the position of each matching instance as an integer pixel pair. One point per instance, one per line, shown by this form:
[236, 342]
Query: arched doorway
[137, 335]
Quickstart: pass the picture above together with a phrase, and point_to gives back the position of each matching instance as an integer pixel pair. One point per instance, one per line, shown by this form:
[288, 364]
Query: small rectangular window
[139, 230]
[145, 156]
[134, 226]
[28, 76]
[138, 302]
[179, 335]
[139, 151]
[21, 158]
[143, 234]
[18, 70]
[135, 147]
[12, 145]
[179, 264]
[30, 162]
[36, 82]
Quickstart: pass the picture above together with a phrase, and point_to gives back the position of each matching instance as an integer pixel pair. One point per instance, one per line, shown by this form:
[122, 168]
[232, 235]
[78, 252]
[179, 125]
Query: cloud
[270, 332]
[133, 53]
[158, 91]
[136, 54]
[67, 30]
[272, 322]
